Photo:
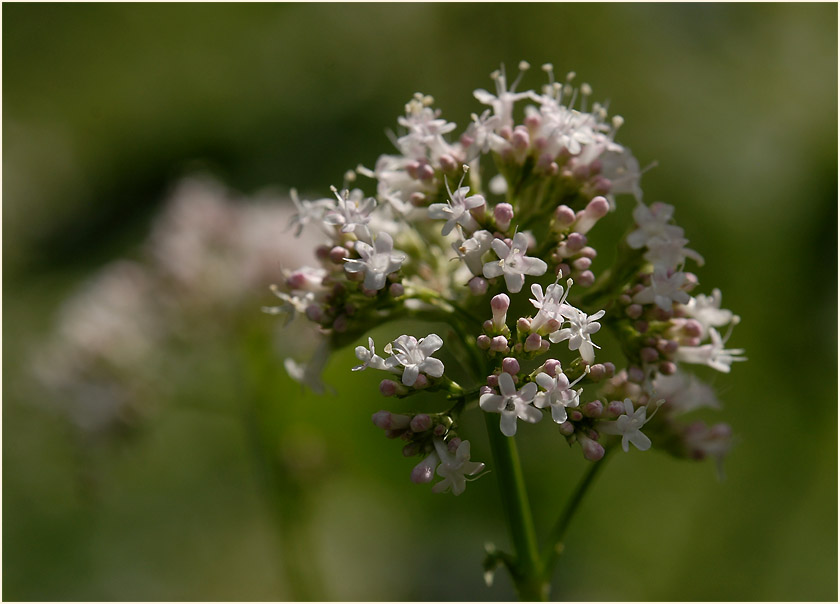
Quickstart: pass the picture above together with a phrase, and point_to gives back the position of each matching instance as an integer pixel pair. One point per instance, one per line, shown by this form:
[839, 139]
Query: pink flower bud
[520, 138]
[692, 328]
[499, 344]
[447, 163]
[610, 369]
[417, 199]
[582, 263]
[426, 172]
[585, 279]
[552, 325]
[564, 215]
[592, 450]
[381, 419]
[388, 387]
[602, 185]
[425, 471]
[575, 415]
[411, 449]
[551, 366]
[510, 365]
[420, 422]
[597, 372]
[439, 430]
[635, 375]
[499, 304]
[503, 213]
[634, 311]
[396, 290]
[421, 382]
[338, 254]
[667, 368]
[575, 242]
[648, 354]
[595, 210]
[533, 342]
[340, 324]
[478, 286]
[452, 445]
[483, 342]
[493, 381]
[615, 408]
[593, 409]
[567, 428]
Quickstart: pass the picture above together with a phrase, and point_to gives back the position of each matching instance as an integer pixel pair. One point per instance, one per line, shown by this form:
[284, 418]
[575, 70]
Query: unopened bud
[338, 254]
[388, 387]
[567, 428]
[585, 279]
[499, 344]
[634, 311]
[592, 450]
[510, 365]
[593, 409]
[564, 215]
[478, 286]
[503, 213]
[635, 375]
[582, 263]
[533, 342]
[421, 382]
[425, 471]
[483, 342]
[396, 289]
[597, 372]
[551, 366]
[420, 422]
[411, 449]
[493, 380]
[575, 242]
[615, 408]
[499, 305]
[667, 368]
[594, 211]
[648, 354]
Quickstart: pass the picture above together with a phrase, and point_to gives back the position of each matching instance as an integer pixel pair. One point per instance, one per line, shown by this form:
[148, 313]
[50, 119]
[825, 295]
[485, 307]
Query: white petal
[641, 441]
[514, 282]
[528, 392]
[432, 367]
[528, 413]
[506, 385]
[430, 343]
[492, 269]
[492, 403]
[508, 423]
[410, 375]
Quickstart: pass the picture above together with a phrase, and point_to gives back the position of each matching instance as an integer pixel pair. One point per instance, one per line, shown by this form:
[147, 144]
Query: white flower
[415, 356]
[580, 330]
[378, 261]
[513, 263]
[629, 426]
[455, 469]
[512, 403]
[471, 250]
[292, 304]
[457, 210]
[668, 254]
[307, 211]
[558, 394]
[712, 354]
[504, 99]
[548, 305]
[310, 374]
[352, 213]
[425, 129]
[684, 392]
[664, 290]
[706, 310]
[653, 222]
[369, 358]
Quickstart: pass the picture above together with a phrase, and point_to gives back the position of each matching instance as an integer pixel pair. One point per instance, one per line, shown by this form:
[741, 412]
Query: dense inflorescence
[497, 224]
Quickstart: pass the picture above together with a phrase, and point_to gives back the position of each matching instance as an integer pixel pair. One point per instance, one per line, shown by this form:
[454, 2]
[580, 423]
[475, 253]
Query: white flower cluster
[535, 173]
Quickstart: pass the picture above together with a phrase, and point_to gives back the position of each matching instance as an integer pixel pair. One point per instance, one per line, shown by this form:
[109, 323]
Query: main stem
[527, 572]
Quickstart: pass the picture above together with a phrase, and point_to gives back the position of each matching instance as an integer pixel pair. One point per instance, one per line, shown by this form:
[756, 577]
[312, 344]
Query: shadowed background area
[107, 107]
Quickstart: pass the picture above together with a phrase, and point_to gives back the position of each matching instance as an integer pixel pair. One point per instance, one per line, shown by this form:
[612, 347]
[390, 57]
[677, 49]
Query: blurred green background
[106, 106]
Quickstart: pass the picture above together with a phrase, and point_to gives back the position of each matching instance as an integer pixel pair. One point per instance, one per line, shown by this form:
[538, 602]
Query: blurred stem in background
[267, 423]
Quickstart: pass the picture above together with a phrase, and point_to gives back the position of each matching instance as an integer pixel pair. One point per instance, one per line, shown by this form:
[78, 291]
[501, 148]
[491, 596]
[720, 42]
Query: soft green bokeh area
[104, 106]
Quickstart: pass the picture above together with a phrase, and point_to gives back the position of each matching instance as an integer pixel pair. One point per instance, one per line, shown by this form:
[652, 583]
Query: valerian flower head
[706, 310]
[457, 209]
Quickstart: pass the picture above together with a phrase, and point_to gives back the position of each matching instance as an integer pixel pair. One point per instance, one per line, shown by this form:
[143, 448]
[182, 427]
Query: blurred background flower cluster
[153, 445]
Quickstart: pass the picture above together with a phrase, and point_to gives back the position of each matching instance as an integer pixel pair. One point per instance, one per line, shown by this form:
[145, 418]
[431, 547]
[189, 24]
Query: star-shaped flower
[415, 356]
[580, 330]
[455, 469]
[378, 261]
[558, 394]
[629, 427]
[512, 404]
[513, 263]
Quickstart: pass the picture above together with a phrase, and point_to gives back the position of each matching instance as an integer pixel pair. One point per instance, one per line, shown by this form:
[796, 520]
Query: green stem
[527, 571]
[555, 539]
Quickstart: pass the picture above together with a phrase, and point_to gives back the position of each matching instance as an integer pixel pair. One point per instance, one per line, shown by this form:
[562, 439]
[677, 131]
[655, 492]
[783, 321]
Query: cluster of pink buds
[503, 218]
